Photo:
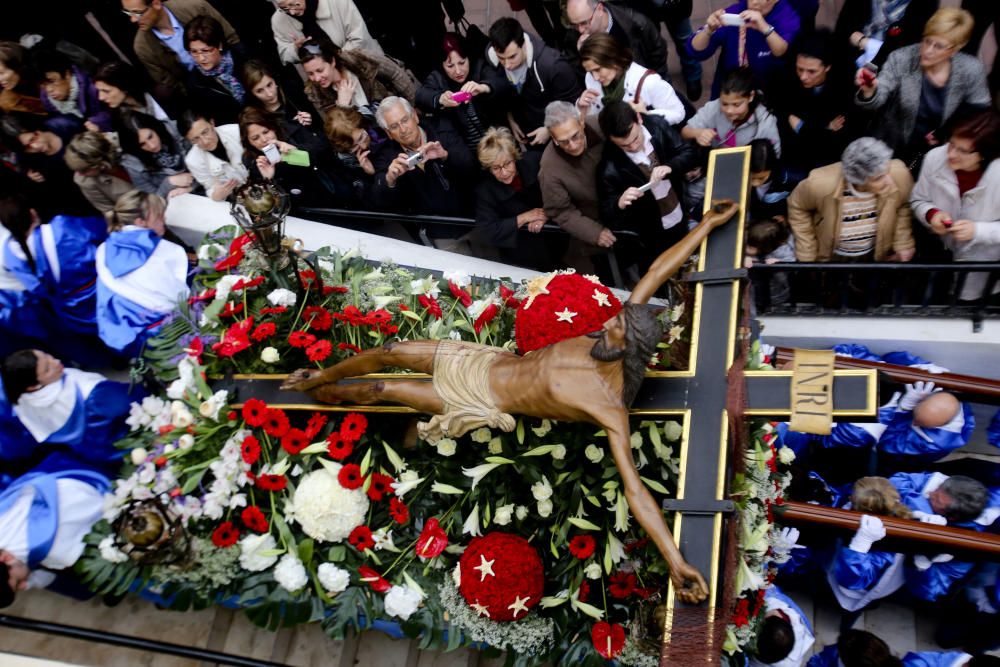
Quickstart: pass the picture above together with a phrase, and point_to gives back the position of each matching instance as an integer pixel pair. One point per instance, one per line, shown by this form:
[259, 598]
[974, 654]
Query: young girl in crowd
[154, 158]
[141, 277]
[769, 242]
[768, 191]
[297, 113]
[119, 87]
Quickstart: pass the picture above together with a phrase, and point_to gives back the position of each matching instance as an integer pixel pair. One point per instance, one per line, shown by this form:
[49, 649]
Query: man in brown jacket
[159, 44]
[854, 210]
[568, 174]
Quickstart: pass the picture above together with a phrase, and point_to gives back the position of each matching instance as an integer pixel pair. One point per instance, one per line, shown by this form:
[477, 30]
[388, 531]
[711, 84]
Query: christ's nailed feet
[303, 379]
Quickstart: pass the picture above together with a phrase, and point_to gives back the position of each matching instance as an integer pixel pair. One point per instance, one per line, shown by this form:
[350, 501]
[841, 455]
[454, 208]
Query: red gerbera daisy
[319, 350]
[276, 423]
[294, 441]
[338, 448]
[371, 577]
[380, 485]
[582, 546]
[315, 424]
[398, 510]
[254, 519]
[301, 339]
[348, 346]
[350, 476]
[264, 331]
[226, 535]
[380, 316]
[254, 411]
[353, 426]
[352, 315]
[335, 289]
[361, 538]
[317, 318]
[271, 482]
[250, 450]
[273, 310]
[622, 585]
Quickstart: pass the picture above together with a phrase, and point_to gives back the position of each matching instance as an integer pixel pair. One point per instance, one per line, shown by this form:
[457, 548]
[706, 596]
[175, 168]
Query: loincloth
[462, 381]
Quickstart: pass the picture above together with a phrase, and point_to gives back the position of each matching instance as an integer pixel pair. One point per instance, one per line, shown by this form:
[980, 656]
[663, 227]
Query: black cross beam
[696, 396]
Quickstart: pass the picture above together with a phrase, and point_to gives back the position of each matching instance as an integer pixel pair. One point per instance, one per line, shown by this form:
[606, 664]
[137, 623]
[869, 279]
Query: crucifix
[699, 395]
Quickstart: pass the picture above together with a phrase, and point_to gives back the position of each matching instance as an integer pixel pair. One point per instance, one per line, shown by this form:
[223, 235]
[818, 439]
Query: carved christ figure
[591, 378]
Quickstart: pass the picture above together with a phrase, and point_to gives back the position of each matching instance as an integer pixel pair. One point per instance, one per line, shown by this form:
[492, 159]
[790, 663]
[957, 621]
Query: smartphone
[646, 187]
[414, 159]
[869, 72]
[272, 154]
[731, 19]
[461, 96]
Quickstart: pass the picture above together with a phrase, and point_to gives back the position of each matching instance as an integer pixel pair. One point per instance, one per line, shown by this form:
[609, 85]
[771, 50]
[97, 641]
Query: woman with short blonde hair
[138, 208]
[951, 24]
[94, 162]
[497, 146]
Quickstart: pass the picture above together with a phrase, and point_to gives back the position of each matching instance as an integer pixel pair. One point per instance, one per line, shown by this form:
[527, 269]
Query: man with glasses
[159, 43]
[339, 21]
[629, 28]
[423, 168]
[538, 73]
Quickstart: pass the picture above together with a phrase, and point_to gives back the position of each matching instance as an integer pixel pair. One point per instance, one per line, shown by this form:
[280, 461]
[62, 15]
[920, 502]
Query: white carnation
[269, 355]
[521, 512]
[225, 285]
[282, 297]
[559, 452]
[139, 456]
[503, 515]
[541, 490]
[110, 552]
[446, 446]
[211, 252]
[402, 601]
[326, 510]
[594, 453]
[333, 579]
[481, 435]
[786, 455]
[544, 508]
[460, 278]
[290, 573]
[254, 556]
[186, 441]
[592, 571]
[495, 446]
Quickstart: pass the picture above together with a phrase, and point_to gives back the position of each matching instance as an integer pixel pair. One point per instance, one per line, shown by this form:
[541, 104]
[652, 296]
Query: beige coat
[379, 75]
[815, 214]
[102, 190]
[340, 19]
[162, 63]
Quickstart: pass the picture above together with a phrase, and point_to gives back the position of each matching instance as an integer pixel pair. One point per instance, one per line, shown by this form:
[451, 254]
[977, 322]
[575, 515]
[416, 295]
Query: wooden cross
[697, 396]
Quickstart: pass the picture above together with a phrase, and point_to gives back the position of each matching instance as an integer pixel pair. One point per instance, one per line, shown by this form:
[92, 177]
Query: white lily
[479, 472]
[471, 524]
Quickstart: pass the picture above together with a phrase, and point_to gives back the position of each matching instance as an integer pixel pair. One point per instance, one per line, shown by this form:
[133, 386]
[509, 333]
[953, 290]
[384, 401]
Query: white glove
[915, 393]
[931, 368]
[869, 532]
[924, 563]
[767, 351]
[924, 517]
[787, 539]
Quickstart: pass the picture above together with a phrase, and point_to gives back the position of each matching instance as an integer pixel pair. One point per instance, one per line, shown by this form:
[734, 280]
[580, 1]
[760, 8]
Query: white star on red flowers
[485, 567]
[519, 605]
[601, 298]
[566, 315]
[481, 610]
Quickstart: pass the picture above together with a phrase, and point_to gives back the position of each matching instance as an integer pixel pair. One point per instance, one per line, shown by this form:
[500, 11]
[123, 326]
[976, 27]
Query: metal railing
[825, 289]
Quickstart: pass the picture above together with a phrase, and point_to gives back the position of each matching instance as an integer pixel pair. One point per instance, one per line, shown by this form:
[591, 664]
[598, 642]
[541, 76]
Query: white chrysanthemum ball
[325, 510]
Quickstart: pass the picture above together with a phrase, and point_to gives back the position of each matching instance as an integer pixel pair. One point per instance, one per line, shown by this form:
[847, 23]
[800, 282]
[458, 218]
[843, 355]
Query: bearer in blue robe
[141, 277]
[22, 317]
[44, 518]
[84, 412]
[786, 636]
[936, 659]
[927, 425]
[855, 647]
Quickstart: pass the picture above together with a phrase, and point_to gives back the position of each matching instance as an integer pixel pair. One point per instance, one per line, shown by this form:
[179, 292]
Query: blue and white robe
[140, 280]
[858, 579]
[903, 438]
[774, 599]
[16, 443]
[64, 277]
[936, 659]
[828, 657]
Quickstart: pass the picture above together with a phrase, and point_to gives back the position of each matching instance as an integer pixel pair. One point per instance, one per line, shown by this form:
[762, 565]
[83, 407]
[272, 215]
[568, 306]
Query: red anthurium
[489, 312]
[195, 348]
[464, 297]
[431, 305]
[608, 638]
[371, 577]
[432, 540]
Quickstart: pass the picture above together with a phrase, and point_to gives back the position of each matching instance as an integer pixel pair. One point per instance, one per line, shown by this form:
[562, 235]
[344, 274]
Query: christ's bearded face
[610, 345]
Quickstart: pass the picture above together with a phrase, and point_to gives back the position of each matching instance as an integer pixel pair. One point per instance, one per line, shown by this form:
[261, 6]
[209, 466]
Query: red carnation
[319, 350]
[271, 482]
[380, 485]
[431, 305]
[315, 424]
[489, 312]
[350, 476]
[301, 339]
[361, 538]
[353, 426]
[432, 540]
[254, 519]
[273, 310]
[623, 584]
[582, 546]
[254, 412]
[264, 331]
[371, 577]
[276, 423]
[348, 346]
[338, 448]
[250, 450]
[507, 295]
[608, 638]
[317, 318]
[464, 297]
[226, 535]
[294, 441]
[398, 510]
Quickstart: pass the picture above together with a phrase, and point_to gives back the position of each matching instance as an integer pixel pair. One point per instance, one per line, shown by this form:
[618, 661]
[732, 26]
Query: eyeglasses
[586, 24]
[402, 121]
[501, 168]
[575, 138]
[135, 13]
[961, 151]
[936, 46]
[196, 53]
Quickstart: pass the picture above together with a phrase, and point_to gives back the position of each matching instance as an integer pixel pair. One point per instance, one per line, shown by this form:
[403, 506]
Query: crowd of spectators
[874, 141]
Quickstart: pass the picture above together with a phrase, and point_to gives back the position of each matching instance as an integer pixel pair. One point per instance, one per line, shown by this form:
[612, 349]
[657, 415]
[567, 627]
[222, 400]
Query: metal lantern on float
[150, 534]
[260, 209]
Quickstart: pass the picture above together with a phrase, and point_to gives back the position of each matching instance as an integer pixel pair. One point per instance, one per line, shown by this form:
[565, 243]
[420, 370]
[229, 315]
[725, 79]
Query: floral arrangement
[300, 516]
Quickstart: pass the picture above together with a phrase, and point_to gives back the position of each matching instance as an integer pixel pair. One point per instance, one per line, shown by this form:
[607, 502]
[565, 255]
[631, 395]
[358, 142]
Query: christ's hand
[688, 583]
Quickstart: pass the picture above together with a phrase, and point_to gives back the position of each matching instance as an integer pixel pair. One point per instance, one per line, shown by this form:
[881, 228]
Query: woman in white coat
[613, 76]
[296, 21]
[216, 156]
[958, 195]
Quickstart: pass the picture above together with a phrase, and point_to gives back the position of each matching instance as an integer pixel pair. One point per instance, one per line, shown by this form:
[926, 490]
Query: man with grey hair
[855, 210]
[568, 175]
[424, 167]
